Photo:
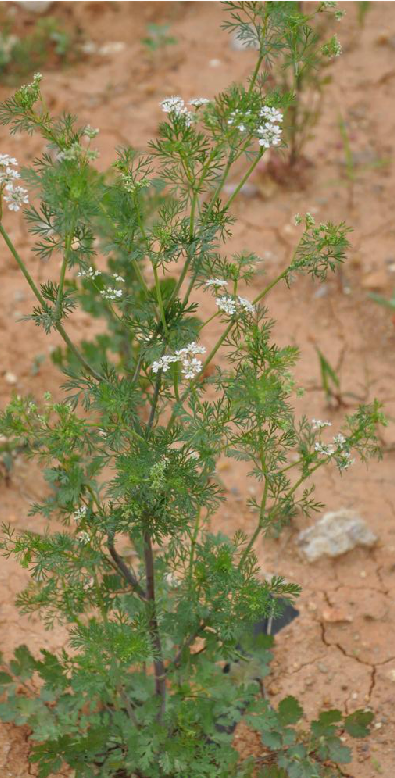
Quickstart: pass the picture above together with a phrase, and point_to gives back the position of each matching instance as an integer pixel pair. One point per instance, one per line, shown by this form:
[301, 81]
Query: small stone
[335, 534]
[238, 44]
[391, 675]
[375, 281]
[322, 668]
[363, 574]
[11, 378]
[273, 690]
[19, 296]
[336, 616]
[214, 63]
[112, 47]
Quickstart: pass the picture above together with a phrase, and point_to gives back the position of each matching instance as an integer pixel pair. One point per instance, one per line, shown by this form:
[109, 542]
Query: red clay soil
[340, 652]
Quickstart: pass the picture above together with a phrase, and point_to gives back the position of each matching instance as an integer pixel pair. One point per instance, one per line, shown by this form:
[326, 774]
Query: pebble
[322, 668]
[11, 378]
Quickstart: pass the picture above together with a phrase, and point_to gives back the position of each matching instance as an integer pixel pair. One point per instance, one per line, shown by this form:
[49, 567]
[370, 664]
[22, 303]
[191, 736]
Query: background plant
[48, 44]
[302, 70]
[130, 454]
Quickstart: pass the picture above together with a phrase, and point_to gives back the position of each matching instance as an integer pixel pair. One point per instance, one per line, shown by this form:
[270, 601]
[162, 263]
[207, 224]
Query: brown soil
[341, 650]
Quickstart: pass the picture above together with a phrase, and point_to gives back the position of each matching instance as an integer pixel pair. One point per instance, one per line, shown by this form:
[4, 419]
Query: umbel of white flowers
[15, 195]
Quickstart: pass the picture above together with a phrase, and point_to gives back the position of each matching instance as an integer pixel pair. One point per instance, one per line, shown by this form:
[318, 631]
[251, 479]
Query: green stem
[42, 302]
[68, 244]
[160, 300]
[244, 179]
[260, 523]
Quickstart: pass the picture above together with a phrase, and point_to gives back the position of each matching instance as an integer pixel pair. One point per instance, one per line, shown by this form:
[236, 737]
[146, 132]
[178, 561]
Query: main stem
[159, 667]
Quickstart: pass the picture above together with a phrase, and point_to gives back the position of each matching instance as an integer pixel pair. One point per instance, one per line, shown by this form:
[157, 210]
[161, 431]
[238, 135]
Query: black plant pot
[267, 626]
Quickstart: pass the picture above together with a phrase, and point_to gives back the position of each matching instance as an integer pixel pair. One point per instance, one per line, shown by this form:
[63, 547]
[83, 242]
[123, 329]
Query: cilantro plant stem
[42, 302]
[68, 244]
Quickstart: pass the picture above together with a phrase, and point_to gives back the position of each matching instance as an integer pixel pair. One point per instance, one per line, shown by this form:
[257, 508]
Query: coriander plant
[130, 453]
[301, 70]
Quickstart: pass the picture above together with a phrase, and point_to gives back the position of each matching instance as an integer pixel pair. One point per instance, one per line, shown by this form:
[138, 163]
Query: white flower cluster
[175, 106]
[343, 457]
[91, 132]
[190, 366]
[79, 514]
[317, 424]
[75, 152]
[216, 282]
[238, 117]
[7, 175]
[231, 304]
[198, 101]
[118, 278]
[15, 195]
[269, 132]
[111, 294]
[83, 537]
[90, 273]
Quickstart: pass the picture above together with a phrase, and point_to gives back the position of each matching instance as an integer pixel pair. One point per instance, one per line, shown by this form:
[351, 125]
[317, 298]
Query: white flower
[339, 440]
[164, 363]
[229, 304]
[83, 537]
[345, 460]
[268, 132]
[317, 424]
[241, 127]
[226, 304]
[118, 278]
[74, 152]
[246, 304]
[6, 160]
[190, 365]
[271, 114]
[198, 101]
[217, 282]
[171, 580]
[194, 455]
[91, 132]
[79, 514]
[176, 106]
[172, 104]
[90, 273]
[328, 451]
[16, 197]
[269, 135]
[7, 176]
[111, 294]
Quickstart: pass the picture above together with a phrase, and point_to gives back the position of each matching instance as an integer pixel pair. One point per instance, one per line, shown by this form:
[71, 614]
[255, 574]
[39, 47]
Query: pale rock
[335, 534]
[39, 7]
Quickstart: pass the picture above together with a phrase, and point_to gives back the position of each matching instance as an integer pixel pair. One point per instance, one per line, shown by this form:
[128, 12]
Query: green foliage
[156, 605]
[48, 44]
[157, 38]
